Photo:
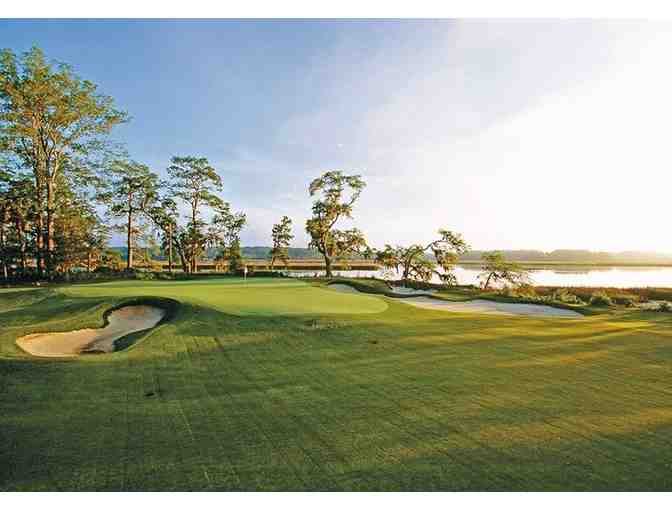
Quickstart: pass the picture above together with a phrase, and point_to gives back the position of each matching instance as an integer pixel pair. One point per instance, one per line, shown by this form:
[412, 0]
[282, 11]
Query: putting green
[258, 296]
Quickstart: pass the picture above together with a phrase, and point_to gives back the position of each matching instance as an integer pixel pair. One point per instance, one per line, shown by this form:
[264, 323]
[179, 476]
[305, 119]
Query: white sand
[491, 307]
[402, 291]
[342, 287]
[121, 322]
[406, 291]
[474, 306]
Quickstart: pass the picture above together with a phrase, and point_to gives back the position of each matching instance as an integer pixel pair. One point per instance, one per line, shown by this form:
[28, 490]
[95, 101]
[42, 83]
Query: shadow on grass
[46, 307]
[170, 306]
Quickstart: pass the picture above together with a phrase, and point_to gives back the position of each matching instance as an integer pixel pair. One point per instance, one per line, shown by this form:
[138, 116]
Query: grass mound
[258, 296]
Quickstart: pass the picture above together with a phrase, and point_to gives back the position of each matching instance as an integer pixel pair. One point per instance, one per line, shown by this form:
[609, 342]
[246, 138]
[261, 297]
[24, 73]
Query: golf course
[289, 385]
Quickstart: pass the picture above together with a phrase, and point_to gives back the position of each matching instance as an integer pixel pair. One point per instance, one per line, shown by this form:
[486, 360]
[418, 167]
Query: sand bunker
[400, 291]
[342, 287]
[492, 307]
[419, 298]
[406, 291]
[121, 322]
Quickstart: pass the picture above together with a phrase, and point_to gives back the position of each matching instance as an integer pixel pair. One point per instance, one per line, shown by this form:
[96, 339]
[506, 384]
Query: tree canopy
[497, 269]
[130, 190]
[55, 124]
[196, 183]
[337, 194]
[225, 234]
[414, 263]
[282, 236]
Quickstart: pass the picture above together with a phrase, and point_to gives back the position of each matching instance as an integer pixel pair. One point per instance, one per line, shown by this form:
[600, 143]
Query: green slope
[255, 296]
[403, 399]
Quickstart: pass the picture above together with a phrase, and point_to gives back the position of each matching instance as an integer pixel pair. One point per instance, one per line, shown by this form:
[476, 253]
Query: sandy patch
[121, 322]
[400, 291]
[420, 299]
[491, 307]
[342, 287]
[406, 291]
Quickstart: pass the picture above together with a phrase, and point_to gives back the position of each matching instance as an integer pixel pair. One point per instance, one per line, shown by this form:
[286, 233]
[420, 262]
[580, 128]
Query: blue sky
[519, 134]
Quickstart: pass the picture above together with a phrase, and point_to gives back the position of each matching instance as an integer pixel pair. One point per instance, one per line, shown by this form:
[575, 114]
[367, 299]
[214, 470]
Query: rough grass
[404, 399]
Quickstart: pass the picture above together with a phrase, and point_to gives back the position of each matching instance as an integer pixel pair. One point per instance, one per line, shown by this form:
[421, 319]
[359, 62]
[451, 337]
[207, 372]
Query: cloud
[511, 132]
[519, 134]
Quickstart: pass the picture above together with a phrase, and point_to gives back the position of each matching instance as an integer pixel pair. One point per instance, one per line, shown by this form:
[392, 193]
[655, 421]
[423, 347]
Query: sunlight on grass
[266, 387]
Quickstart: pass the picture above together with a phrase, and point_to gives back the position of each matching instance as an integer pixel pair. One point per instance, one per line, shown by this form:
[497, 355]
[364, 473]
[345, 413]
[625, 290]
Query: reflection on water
[562, 277]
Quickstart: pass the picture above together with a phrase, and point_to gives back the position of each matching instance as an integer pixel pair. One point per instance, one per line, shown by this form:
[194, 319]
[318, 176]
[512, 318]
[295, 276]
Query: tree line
[58, 164]
[59, 168]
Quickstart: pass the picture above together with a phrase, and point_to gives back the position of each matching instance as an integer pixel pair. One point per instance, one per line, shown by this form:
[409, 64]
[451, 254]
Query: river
[622, 277]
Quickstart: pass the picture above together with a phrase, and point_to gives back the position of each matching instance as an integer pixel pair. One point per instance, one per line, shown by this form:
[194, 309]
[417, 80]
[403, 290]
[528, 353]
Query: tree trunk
[487, 282]
[327, 265]
[404, 276]
[170, 249]
[183, 261]
[21, 232]
[194, 247]
[49, 236]
[3, 250]
[129, 239]
[88, 262]
[39, 244]
[39, 226]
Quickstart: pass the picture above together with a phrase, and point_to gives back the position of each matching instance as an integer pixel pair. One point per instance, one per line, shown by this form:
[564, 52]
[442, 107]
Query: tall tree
[131, 189]
[95, 241]
[337, 195]
[195, 182]
[5, 208]
[50, 119]
[497, 269]
[22, 214]
[111, 260]
[225, 234]
[16, 216]
[282, 237]
[80, 234]
[413, 262]
[164, 215]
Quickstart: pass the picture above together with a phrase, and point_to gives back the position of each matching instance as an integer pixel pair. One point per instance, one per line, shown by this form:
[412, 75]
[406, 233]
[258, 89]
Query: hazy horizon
[545, 134]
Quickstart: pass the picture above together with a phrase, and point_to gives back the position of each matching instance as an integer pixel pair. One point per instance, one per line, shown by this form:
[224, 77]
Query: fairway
[275, 384]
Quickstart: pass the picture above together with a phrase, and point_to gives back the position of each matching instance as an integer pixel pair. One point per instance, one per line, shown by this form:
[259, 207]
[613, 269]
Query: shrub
[103, 269]
[525, 290]
[625, 299]
[600, 298]
[266, 274]
[142, 275]
[564, 296]
[665, 306]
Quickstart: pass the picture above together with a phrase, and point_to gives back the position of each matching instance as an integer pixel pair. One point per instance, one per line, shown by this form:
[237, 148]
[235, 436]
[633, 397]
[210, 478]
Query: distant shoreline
[539, 263]
[369, 265]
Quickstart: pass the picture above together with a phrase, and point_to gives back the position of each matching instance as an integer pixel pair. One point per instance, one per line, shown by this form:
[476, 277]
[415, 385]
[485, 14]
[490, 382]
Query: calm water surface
[566, 277]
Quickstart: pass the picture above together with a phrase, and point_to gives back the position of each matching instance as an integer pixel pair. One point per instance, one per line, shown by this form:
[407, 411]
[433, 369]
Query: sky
[520, 134]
